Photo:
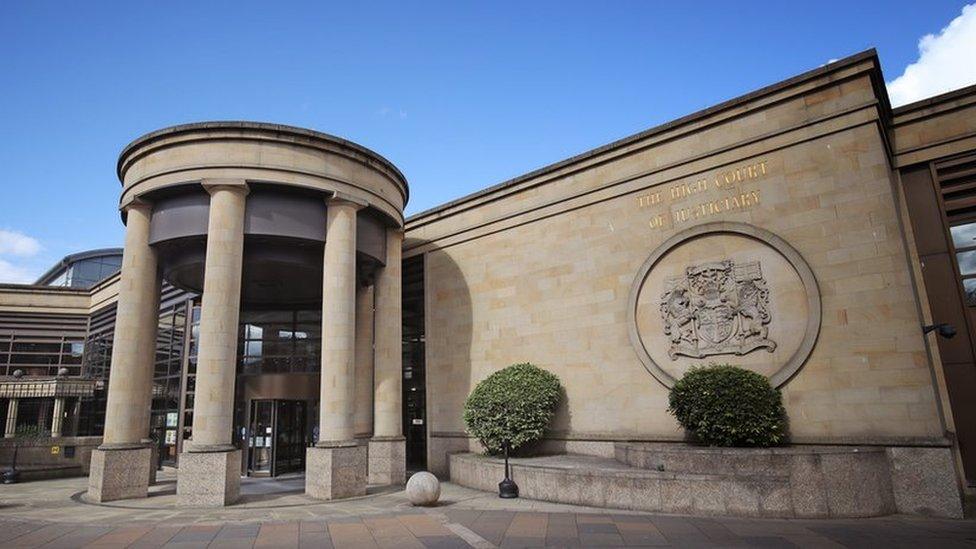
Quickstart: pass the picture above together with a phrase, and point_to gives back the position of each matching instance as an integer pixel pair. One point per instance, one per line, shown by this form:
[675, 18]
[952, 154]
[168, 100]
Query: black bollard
[507, 488]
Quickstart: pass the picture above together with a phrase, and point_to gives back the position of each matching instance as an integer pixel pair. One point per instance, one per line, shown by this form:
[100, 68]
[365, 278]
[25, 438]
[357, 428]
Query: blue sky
[459, 95]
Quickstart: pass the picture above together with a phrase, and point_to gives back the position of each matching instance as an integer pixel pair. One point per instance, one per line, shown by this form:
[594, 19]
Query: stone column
[387, 449]
[120, 466]
[10, 429]
[336, 467]
[57, 417]
[210, 465]
[363, 417]
[74, 416]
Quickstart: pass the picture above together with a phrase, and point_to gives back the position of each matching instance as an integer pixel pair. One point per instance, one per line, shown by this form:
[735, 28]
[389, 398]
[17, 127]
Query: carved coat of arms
[717, 308]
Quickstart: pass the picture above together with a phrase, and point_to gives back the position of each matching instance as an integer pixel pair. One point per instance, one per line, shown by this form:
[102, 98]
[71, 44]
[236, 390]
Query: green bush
[514, 404]
[722, 405]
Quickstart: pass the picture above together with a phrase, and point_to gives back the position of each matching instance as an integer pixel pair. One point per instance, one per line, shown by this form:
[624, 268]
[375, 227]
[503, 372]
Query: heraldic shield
[717, 308]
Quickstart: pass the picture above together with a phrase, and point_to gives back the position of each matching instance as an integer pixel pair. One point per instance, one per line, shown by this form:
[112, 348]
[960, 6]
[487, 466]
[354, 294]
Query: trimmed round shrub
[514, 404]
[722, 405]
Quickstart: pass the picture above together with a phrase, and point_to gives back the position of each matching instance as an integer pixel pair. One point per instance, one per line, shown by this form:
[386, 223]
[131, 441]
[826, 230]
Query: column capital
[215, 184]
[345, 199]
[136, 203]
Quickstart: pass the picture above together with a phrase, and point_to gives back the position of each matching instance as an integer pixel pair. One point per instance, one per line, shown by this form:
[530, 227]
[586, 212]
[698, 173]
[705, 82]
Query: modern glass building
[84, 269]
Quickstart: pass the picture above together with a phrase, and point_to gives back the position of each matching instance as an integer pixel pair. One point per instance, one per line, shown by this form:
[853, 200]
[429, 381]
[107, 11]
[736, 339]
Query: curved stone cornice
[264, 153]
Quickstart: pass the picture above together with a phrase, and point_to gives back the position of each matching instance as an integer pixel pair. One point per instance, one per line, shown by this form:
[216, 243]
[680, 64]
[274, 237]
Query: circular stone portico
[257, 214]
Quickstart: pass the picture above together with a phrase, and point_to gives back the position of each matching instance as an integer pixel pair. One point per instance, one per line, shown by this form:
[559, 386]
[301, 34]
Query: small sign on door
[418, 422]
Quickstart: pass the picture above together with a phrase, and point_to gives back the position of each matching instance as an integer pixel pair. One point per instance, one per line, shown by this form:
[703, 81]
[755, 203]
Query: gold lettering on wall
[724, 180]
[712, 207]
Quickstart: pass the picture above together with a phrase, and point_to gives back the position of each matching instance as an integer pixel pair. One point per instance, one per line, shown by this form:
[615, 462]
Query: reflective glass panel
[969, 285]
[36, 347]
[967, 262]
[963, 236]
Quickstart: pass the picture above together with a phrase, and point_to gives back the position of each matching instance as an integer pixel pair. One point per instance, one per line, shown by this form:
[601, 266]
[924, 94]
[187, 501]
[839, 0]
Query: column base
[208, 479]
[335, 472]
[388, 460]
[119, 473]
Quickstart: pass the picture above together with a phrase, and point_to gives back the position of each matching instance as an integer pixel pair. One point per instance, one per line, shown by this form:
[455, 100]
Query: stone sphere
[423, 488]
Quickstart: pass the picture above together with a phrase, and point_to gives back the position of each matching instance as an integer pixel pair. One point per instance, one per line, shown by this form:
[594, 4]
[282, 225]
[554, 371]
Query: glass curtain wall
[168, 380]
[414, 366]
[41, 355]
[174, 370]
[86, 273]
[95, 365]
[190, 373]
[280, 342]
[275, 429]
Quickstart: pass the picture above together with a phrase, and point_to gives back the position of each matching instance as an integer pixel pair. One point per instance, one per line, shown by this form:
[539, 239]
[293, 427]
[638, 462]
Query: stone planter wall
[805, 481]
[825, 481]
[35, 459]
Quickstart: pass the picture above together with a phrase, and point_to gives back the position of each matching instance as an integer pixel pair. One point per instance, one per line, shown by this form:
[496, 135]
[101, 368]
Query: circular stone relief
[724, 293]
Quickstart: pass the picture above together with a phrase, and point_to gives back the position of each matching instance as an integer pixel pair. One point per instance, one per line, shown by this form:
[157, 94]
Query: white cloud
[14, 243]
[12, 274]
[946, 61]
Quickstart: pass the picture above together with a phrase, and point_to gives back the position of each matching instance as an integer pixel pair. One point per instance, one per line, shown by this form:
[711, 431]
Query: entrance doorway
[276, 437]
[414, 365]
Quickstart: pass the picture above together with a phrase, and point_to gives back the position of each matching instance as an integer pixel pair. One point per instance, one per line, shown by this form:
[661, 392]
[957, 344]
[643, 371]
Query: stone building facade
[806, 231]
[569, 267]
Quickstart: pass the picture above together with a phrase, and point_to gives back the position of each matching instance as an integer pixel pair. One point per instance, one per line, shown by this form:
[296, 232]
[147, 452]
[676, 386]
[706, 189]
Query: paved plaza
[276, 513]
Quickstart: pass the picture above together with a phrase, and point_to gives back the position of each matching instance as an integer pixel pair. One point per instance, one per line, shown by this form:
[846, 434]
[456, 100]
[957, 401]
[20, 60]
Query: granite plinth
[923, 482]
[209, 479]
[119, 473]
[387, 461]
[335, 472]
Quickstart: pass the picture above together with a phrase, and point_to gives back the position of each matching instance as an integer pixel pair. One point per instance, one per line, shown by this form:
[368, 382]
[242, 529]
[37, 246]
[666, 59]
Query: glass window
[969, 285]
[253, 332]
[967, 262]
[60, 280]
[308, 348]
[74, 348]
[267, 317]
[964, 236]
[310, 317]
[280, 341]
[37, 347]
[85, 273]
[33, 359]
[253, 348]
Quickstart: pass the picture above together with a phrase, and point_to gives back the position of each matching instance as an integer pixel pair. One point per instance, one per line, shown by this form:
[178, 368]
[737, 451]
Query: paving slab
[55, 513]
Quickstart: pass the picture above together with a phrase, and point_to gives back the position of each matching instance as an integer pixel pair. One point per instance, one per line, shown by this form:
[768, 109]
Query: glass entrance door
[289, 440]
[276, 438]
[261, 435]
